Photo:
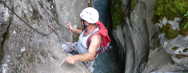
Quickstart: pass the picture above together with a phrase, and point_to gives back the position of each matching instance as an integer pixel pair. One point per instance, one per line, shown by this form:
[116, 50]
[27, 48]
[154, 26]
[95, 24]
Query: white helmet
[89, 14]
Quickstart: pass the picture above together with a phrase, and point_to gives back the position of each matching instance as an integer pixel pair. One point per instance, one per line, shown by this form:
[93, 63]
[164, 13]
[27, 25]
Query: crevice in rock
[5, 36]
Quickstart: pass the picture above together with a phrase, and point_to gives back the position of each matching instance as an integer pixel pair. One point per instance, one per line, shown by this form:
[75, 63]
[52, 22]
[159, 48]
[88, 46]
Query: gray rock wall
[32, 36]
[134, 36]
[4, 24]
[138, 41]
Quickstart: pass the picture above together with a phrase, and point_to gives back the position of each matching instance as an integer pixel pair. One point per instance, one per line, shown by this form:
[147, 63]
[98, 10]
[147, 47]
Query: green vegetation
[117, 13]
[185, 50]
[174, 48]
[186, 14]
[133, 4]
[170, 9]
[184, 25]
[169, 32]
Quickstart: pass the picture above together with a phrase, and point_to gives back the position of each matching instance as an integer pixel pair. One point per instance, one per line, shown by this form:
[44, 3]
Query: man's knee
[67, 47]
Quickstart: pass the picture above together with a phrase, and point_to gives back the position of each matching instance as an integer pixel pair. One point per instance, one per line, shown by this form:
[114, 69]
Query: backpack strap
[101, 49]
[89, 39]
[105, 42]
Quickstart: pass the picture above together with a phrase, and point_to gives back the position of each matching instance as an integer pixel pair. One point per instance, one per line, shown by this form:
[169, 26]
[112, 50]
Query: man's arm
[78, 31]
[95, 43]
[74, 30]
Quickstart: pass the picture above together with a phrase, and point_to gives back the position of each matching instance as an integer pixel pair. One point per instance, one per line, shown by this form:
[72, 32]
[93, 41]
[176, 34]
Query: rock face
[4, 24]
[136, 40]
[172, 56]
[32, 31]
[134, 36]
[31, 34]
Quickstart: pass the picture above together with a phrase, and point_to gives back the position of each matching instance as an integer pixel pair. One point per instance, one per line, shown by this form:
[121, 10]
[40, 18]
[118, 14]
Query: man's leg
[69, 47]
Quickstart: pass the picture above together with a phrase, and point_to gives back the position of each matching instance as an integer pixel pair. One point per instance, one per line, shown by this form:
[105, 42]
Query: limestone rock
[35, 34]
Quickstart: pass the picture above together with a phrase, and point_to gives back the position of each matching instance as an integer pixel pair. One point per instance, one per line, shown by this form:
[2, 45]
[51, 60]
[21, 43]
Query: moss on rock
[117, 13]
[174, 48]
[169, 32]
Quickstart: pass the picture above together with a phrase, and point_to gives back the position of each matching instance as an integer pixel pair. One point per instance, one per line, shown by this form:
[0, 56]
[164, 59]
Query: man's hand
[71, 60]
[69, 27]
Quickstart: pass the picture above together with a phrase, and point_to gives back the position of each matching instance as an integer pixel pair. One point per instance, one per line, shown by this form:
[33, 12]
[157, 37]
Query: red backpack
[105, 38]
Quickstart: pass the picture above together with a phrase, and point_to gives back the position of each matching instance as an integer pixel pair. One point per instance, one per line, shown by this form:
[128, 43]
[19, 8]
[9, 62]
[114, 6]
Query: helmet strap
[84, 26]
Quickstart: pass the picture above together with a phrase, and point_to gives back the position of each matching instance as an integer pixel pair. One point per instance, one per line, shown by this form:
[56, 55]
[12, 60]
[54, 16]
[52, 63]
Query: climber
[91, 39]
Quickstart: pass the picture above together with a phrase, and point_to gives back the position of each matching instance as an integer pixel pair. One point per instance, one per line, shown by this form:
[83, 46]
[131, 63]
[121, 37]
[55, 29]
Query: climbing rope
[26, 23]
